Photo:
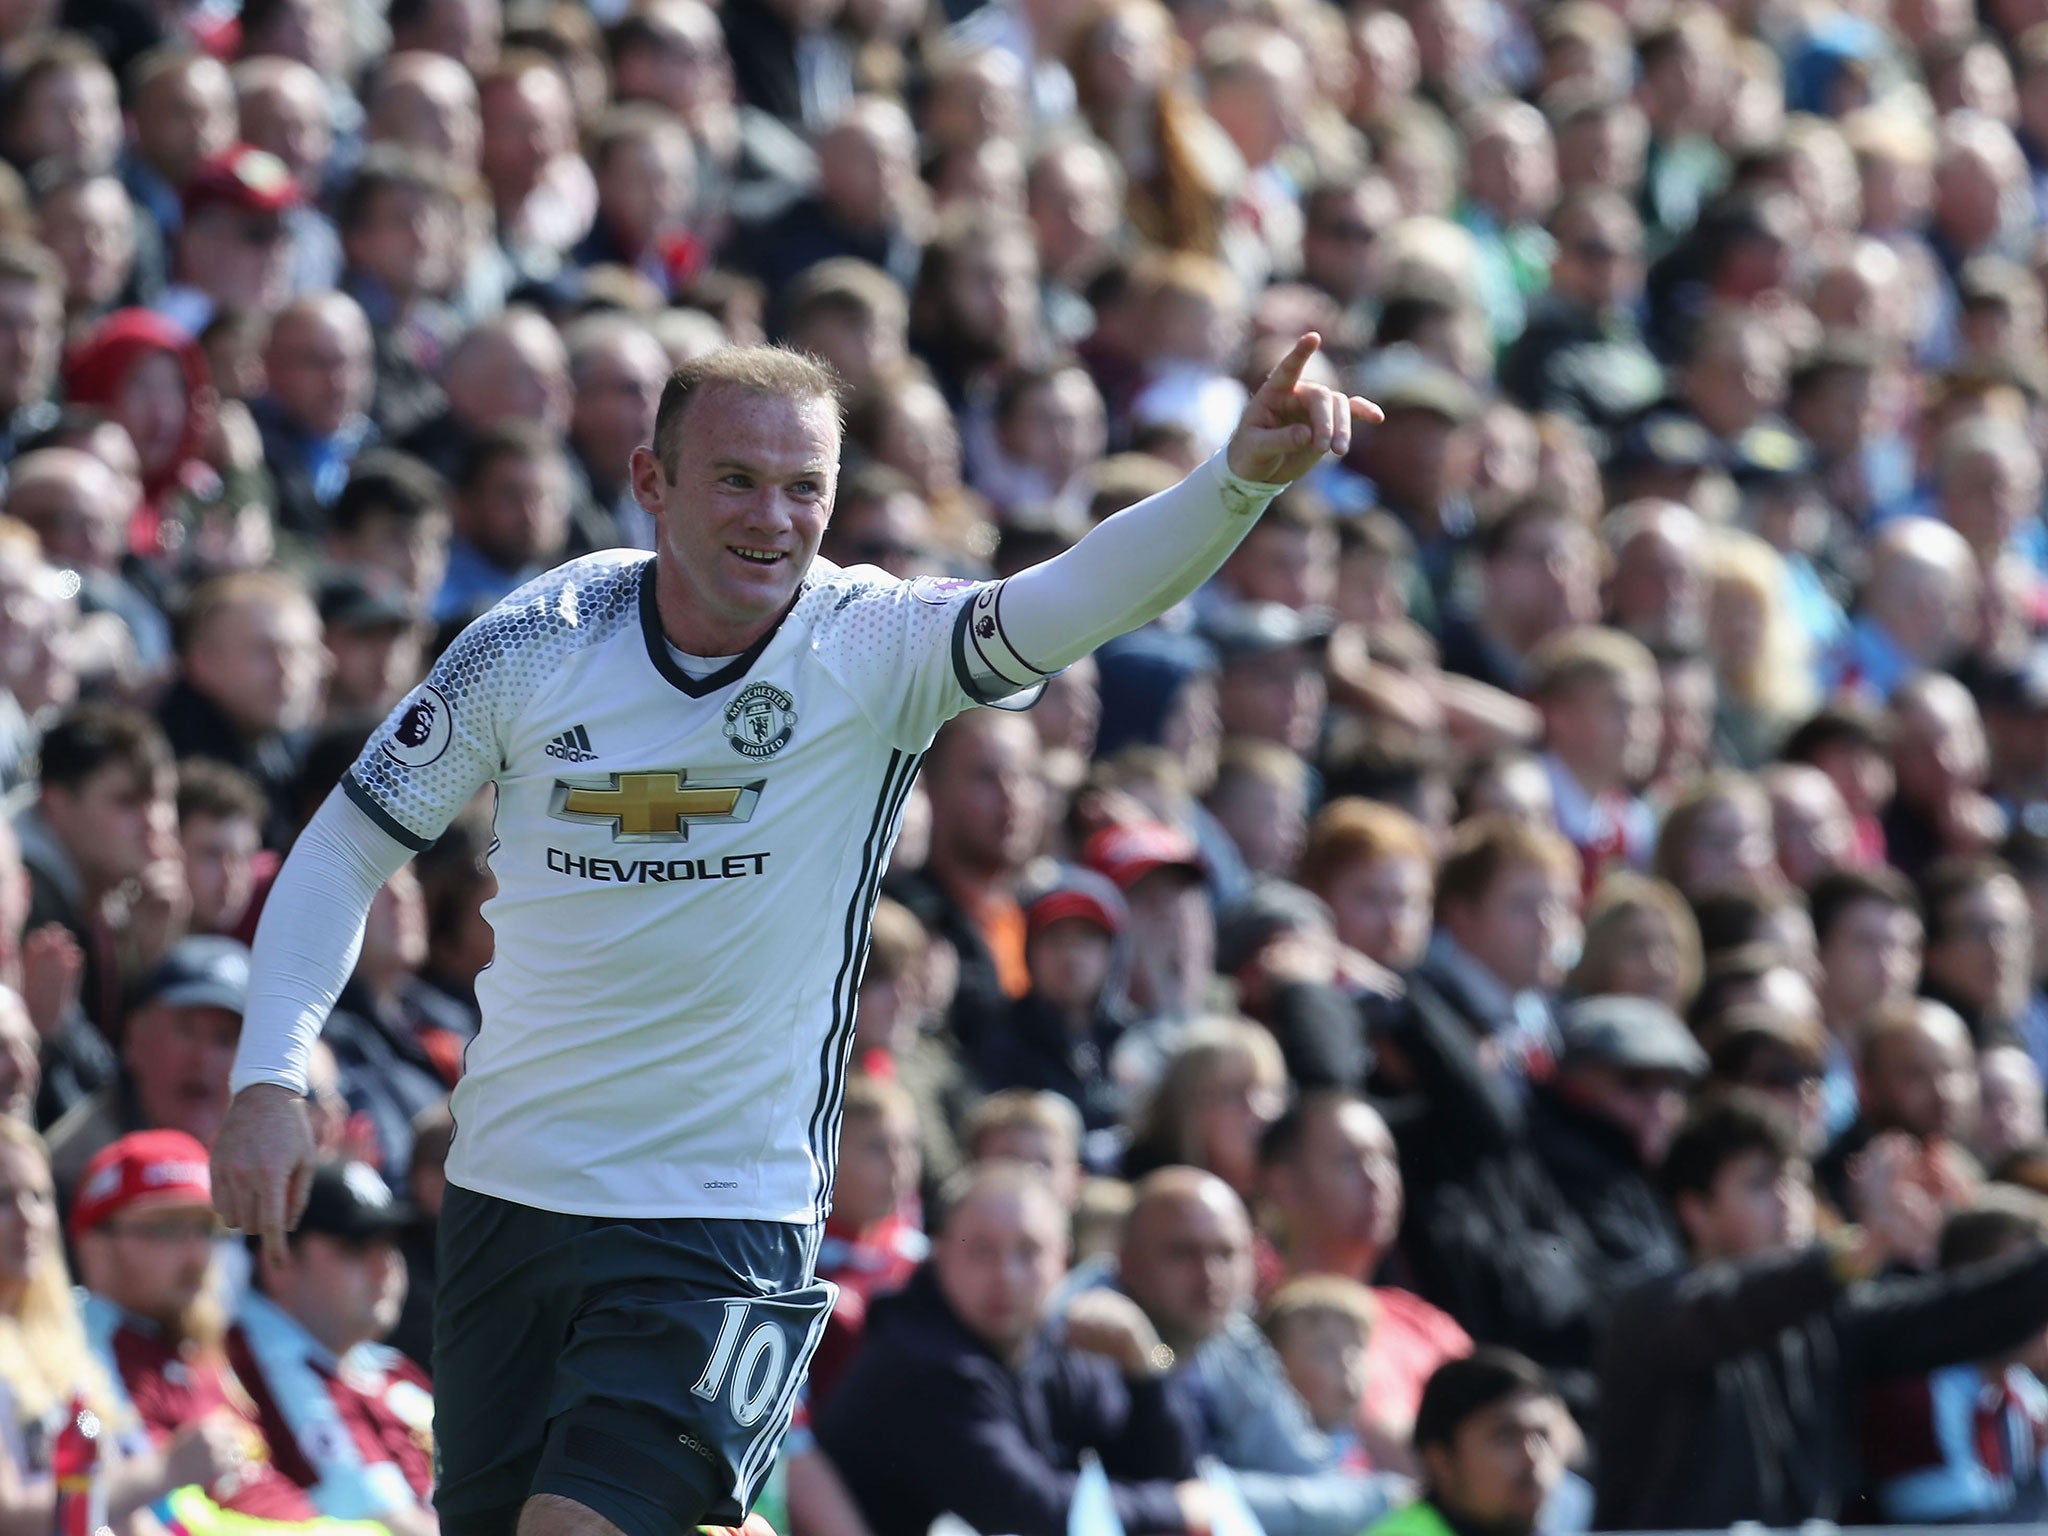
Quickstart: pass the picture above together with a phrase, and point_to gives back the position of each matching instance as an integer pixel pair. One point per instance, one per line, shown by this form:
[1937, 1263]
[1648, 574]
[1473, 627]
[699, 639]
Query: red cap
[1132, 851]
[244, 177]
[1071, 901]
[143, 1169]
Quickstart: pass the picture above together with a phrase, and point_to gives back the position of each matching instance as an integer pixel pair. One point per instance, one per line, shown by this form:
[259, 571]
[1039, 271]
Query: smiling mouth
[757, 556]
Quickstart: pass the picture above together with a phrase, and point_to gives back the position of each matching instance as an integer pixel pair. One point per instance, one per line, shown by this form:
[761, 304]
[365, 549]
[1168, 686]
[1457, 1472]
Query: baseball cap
[202, 972]
[1128, 853]
[245, 177]
[1254, 629]
[1771, 454]
[1630, 1032]
[1078, 893]
[352, 1200]
[356, 600]
[1405, 378]
[143, 1169]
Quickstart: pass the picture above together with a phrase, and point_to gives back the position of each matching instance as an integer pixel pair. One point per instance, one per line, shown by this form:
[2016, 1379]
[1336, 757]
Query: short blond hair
[1311, 1298]
[1022, 1109]
[877, 1098]
[751, 370]
[1591, 654]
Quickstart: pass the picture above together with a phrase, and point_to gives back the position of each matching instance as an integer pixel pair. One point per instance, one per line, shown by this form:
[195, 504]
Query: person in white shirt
[701, 762]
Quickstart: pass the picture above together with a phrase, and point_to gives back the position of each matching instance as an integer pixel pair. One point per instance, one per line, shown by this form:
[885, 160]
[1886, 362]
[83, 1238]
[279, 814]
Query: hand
[208, 1452]
[52, 964]
[263, 1164]
[1888, 1195]
[159, 909]
[1197, 1506]
[1110, 1324]
[1289, 425]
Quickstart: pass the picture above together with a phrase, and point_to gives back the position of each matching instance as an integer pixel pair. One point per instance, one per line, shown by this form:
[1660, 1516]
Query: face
[1599, 262]
[1757, 1206]
[2011, 1115]
[28, 1216]
[1502, 1464]
[1924, 1082]
[75, 114]
[320, 368]
[1520, 925]
[998, 1262]
[1281, 564]
[1036, 1146]
[1188, 1262]
[1986, 953]
[647, 186]
[347, 1291]
[115, 823]
[1647, 961]
[220, 869]
[180, 1059]
[1648, 1105]
[152, 403]
[1275, 695]
[237, 257]
[618, 388]
[81, 515]
[262, 662]
[30, 321]
[1347, 1184]
[895, 533]
[878, 1167]
[1542, 581]
[526, 124]
[290, 120]
[90, 229]
[992, 297]
[1069, 961]
[406, 240]
[433, 110]
[1058, 428]
[987, 798]
[1073, 210]
[1987, 496]
[1871, 957]
[1233, 1105]
[1267, 820]
[154, 1261]
[1173, 942]
[186, 116]
[1730, 846]
[518, 512]
[413, 552]
[1383, 908]
[1324, 1356]
[372, 669]
[740, 522]
[1610, 731]
[1811, 827]
[1340, 247]
[1657, 589]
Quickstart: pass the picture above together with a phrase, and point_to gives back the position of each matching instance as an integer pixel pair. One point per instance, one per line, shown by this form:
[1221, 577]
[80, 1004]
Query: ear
[649, 480]
[1691, 1212]
[1439, 1468]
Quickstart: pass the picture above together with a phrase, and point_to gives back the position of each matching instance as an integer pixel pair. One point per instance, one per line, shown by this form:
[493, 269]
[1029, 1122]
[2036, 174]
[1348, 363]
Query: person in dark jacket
[965, 1400]
[1059, 1035]
[1602, 1125]
[1729, 1391]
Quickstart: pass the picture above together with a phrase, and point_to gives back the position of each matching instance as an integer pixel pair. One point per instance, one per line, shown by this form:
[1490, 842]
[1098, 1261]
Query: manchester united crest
[758, 723]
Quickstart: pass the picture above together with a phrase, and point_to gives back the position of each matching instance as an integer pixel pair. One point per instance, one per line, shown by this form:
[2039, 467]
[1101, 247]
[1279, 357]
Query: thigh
[674, 1392]
[503, 1305]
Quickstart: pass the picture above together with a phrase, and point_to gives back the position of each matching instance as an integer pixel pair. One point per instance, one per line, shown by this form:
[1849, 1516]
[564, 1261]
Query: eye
[807, 488]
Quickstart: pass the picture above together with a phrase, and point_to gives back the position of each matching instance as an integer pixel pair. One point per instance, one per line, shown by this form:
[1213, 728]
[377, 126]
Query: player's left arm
[1134, 566]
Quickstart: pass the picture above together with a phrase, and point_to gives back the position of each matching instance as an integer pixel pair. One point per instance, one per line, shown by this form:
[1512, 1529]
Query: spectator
[80, 511]
[1491, 1436]
[32, 306]
[1916, 610]
[185, 111]
[1942, 764]
[511, 518]
[1331, 1180]
[345, 1416]
[397, 221]
[1374, 867]
[1159, 871]
[1811, 828]
[144, 1229]
[2011, 1112]
[249, 662]
[177, 1046]
[233, 245]
[1186, 1259]
[1919, 1077]
[1223, 1084]
[1039, 1130]
[85, 220]
[1779, 1056]
[1717, 839]
[1539, 574]
[98, 848]
[1320, 1326]
[1598, 692]
[1271, 686]
[1979, 956]
[617, 370]
[1260, 798]
[221, 812]
[373, 638]
[315, 420]
[1062, 1034]
[1852, 746]
[1869, 933]
[1641, 941]
[392, 520]
[514, 367]
[865, 204]
[1770, 1337]
[985, 1408]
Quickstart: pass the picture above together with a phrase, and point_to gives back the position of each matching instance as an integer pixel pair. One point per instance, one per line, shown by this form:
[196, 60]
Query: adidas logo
[572, 746]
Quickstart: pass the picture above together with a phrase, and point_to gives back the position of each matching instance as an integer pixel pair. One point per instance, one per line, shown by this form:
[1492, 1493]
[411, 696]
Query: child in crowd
[1320, 1325]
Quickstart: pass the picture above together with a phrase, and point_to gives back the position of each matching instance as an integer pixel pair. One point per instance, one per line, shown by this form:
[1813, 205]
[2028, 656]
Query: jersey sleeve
[916, 653]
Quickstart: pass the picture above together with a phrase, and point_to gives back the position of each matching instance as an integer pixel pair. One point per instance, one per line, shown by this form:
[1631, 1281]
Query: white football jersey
[686, 872]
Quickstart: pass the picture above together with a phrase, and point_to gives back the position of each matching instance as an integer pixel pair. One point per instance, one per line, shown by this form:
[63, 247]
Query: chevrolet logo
[651, 807]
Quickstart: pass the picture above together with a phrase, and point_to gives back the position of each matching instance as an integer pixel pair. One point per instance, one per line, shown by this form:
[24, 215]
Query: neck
[1592, 779]
[1327, 1254]
[691, 630]
[968, 881]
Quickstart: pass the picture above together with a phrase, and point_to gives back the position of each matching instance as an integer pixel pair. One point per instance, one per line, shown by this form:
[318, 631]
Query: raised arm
[1136, 565]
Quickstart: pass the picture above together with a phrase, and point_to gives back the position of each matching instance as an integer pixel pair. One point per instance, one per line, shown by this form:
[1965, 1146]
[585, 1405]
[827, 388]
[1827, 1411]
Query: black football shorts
[645, 1368]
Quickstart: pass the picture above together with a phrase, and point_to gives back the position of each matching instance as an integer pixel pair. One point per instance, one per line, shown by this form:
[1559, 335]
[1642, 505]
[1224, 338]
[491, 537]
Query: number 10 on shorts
[756, 1374]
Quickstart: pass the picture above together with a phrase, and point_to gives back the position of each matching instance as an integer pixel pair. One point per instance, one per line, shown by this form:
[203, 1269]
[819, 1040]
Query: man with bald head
[867, 190]
[1942, 762]
[427, 102]
[79, 510]
[1186, 1260]
[966, 1399]
[616, 369]
[315, 420]
[1918, 1070]
[1810, 823]
[285, 109]
[1657, 591]
[1918, 610]
[513, 365]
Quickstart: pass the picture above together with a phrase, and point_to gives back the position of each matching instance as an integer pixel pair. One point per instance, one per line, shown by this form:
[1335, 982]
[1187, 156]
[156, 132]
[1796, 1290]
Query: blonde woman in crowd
[1762, 657]
[1641, 941]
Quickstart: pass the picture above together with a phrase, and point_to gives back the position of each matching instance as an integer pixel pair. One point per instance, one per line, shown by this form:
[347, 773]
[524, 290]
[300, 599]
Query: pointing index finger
[1287, 373]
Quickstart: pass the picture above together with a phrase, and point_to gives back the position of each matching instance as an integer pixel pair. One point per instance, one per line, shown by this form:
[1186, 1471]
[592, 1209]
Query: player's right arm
[435, 751]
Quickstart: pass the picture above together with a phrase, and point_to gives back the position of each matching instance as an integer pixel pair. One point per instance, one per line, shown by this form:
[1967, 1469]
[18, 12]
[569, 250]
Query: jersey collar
[665, 664]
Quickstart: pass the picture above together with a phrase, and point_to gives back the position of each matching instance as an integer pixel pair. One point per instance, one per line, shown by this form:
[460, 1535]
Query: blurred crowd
[1523, 1005]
